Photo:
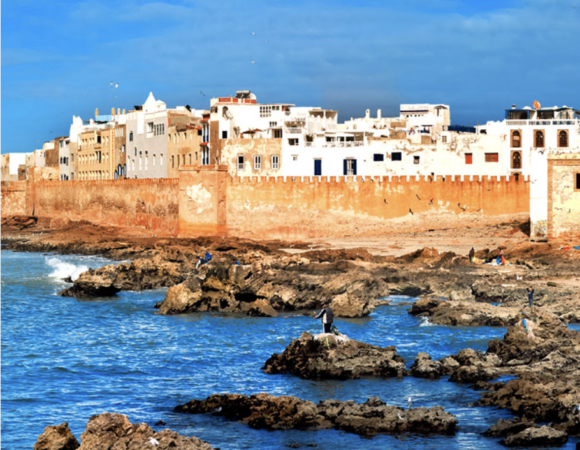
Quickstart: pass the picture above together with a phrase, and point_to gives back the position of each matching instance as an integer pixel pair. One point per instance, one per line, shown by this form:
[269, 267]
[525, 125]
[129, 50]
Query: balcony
[542, 122]
[293, 130]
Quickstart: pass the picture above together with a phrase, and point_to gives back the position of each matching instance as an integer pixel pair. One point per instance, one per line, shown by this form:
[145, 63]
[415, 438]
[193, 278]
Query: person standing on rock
[327, 317]
[530, 296]
[471, 255]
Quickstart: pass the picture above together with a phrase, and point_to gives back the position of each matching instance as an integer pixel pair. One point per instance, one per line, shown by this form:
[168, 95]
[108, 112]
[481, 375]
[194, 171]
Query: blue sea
[64, 360]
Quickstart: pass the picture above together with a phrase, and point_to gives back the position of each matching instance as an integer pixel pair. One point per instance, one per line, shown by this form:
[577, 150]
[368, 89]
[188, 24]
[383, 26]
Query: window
[577, 184]
[98, 139]
[378, 157]
[294, 157]
[123, 148]
[516, 139]
[349, 166]
[562, 138]
[135, 151]
[190, 159]
[183, 159]
[277, 134]
[173, 161]
[396, 156]
[516, 160]
[224, 134]
[240, 162]
[257, 162]
[275, 162]
[469, 158]
[205, 156]
[539, 138]
[491, 157]
[416, 159]
[444, 139]
[161, 159]
[293, 142]
[150, 127]
[265, 111]
[273, 124]
[154, 157]
[199, 132]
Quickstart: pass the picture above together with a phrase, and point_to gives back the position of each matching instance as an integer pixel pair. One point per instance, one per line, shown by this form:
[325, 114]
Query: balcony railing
[542, 122]
[293, 130]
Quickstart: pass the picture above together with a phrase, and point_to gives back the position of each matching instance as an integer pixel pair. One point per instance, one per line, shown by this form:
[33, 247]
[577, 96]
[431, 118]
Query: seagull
[253, 34]
[154, 442]
[111, 84]
[399, 416]
[253, 62]
[385, 200]
[431, 201]
[419, 198]
[266, 40]
[116, 86]
[519, 277]
[202, 93]
[411, 211]
[409, 403]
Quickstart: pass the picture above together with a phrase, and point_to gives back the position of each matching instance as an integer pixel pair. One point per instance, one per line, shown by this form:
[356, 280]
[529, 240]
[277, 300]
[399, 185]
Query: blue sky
[59, 57]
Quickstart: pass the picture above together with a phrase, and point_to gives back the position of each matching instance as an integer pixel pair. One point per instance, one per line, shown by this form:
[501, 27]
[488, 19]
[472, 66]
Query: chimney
[368, 114]
[379, 113]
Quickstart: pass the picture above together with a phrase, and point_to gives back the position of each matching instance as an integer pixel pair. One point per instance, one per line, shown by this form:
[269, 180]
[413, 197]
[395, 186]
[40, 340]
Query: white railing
[343, 144]
[542, 122]
[293, 130]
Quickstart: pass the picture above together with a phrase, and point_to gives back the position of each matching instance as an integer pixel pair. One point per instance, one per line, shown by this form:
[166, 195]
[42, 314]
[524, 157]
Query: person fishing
[471, 255]
[327, 317]
[530, 291]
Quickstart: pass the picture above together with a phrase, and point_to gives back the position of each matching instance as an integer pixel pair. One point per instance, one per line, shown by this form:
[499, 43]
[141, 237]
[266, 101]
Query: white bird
[253, 62]
[116, 86]
[519, 277]
[253, 34]
[154, 442]
[409, 403]
[111, 84]
[399, 416]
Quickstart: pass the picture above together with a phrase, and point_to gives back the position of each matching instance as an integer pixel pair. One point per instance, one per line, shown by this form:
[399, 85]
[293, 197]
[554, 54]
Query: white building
[66, 169]
[529, 135]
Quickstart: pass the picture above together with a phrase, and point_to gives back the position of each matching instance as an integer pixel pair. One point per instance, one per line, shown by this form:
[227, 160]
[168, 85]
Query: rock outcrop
[114, 431]
[461, 313]
[290, 285]
[138, 275]
[58, 437]
[425, 367]
[328, 356]
[533, 437]
[285, 413]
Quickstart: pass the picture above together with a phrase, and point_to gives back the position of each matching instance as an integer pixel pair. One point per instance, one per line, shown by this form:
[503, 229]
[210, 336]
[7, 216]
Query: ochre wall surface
[14, 198]
[333, 206]
[563, 197]
[149, 203]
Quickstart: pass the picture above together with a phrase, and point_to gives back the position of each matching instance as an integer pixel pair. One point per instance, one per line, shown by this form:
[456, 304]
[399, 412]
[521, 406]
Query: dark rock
[505, 428]
[532, 437]
[160, 423]
[284, 413]
[57, 437]
[329, 357]
[67, 280]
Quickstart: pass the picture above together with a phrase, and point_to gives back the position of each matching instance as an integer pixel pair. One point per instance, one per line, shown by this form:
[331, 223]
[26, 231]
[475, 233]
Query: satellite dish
[537, 104]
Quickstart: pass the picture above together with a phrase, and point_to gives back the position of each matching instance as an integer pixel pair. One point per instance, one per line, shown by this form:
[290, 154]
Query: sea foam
[63, 269]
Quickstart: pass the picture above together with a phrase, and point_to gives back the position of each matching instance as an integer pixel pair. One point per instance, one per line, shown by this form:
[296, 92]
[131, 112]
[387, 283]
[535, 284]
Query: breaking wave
[63, 269]
[425, 322]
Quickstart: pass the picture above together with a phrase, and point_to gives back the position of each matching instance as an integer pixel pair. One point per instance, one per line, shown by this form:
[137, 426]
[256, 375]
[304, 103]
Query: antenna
[536, 104]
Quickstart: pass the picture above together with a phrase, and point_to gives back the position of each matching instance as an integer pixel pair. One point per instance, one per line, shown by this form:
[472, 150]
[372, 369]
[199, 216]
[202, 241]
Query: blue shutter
[354, 166]
[344, 166]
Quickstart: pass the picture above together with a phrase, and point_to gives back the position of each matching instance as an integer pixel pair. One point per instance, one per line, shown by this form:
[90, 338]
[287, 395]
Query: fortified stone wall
[563, 196]
[287, 207]
[14, 198]
[149, 203]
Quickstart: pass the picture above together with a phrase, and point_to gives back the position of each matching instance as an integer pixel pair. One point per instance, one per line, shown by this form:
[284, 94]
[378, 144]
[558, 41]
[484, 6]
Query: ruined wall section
[148, 203]
[308, 207]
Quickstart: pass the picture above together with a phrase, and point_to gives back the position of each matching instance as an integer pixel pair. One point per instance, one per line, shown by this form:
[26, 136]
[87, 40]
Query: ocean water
[64, 360]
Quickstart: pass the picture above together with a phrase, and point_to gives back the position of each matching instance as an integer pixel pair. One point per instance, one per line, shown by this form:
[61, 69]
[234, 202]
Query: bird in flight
[253, 62]
[253, 34]
[111, 84]
[202, 93]
[116, 86]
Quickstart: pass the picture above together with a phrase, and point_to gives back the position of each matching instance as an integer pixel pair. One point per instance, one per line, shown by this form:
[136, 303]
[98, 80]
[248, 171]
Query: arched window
[562, 138]
[539, 139]
[131, 136]
[516, 139]
[516, 160]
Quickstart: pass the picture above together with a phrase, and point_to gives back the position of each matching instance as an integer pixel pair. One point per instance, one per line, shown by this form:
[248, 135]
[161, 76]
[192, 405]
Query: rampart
[294, 207]
[206, 200]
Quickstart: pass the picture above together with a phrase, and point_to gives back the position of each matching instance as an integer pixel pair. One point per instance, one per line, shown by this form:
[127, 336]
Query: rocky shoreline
[269, 280]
